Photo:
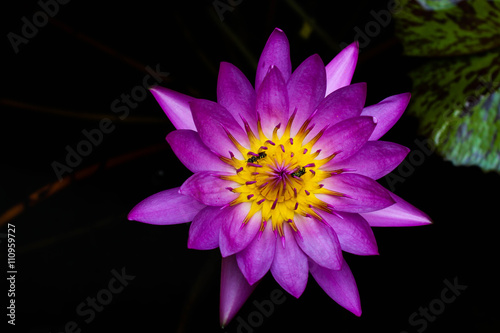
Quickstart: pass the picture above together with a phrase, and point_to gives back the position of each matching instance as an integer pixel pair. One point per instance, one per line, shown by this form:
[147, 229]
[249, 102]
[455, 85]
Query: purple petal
[272, 101]
[166, 207]
[319, 242]
[387, 112]
[236, 94]
[256, 259]
[339, 285]
[306, 89]
[375, 159]
[345, 137]
[289, 267]
[193, 153]
[401, 214]
[234, 290]
[176, 107]
[342, 104]
[235, 236]
[276, 53]
[340, 70]
[208, 188]
[354, 233]
[205, 229]
[211, 119]
[363, 194]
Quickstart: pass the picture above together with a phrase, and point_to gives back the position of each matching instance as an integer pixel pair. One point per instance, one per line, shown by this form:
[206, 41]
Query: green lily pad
[458, 104]
[443, 28]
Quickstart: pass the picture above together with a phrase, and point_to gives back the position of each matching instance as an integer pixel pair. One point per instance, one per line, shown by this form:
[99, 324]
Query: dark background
[68, 242]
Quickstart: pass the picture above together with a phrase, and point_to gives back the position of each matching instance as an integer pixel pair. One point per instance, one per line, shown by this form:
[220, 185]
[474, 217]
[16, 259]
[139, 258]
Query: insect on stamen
[255, 157]
[299, 172]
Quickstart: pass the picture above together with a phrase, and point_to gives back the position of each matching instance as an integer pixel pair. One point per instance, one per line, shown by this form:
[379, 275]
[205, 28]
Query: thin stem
[54, 187]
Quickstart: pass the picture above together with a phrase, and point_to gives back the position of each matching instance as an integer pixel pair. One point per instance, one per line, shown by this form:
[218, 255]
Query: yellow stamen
[281, 176]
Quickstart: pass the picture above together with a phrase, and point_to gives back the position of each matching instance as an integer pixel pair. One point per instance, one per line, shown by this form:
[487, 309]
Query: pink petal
[212, 121]
[387, 112]
[375, 159]
[234, 290]
[276, 53]
[306, 89]
[176, 107]
[363, 194]
[401, 214]
[208, 188]
[236, 94]
[205, 228]
[289, 267]
[255, 260]
[354, 233]
[345, 138]
[272, 101]
[319, 242]
[166, 207]
[339, 285]
[342, 104]
[193, 153]
[340, 70]
[235, 236]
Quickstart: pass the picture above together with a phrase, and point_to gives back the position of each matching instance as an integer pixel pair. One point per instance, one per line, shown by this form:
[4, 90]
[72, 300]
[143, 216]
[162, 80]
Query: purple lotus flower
[284, 174]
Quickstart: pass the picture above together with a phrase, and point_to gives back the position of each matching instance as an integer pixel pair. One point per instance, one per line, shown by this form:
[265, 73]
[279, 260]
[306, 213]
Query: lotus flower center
[280, 176]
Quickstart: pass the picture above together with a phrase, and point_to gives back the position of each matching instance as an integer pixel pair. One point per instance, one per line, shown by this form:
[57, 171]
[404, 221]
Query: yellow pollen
[280, 176]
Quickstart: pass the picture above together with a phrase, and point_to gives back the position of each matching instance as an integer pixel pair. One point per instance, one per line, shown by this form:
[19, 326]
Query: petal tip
[295, 293]
[134, 214]
[224, 320]
[130, 216]
[353, 47]
[406, 94]
[427, 221]
[357, 312]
